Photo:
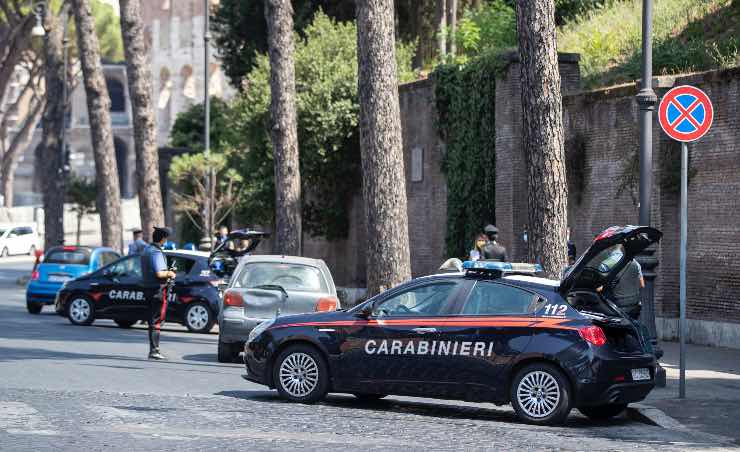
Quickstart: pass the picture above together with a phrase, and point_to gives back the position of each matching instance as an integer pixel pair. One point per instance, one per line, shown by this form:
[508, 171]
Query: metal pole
[65, 107]
[206, 132]
[682, 276]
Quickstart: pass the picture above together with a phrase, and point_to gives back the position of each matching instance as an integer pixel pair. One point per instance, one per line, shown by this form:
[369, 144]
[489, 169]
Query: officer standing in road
[154, 278]
[493, 250]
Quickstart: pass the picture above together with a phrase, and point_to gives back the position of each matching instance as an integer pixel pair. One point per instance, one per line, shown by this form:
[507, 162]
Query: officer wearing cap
[138, 245]
[155, 275]
[493, 251]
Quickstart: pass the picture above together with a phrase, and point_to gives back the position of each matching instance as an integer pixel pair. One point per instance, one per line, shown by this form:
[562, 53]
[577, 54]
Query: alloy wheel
[299, 374]
[538, 394]
[198, 317]
[79, 310]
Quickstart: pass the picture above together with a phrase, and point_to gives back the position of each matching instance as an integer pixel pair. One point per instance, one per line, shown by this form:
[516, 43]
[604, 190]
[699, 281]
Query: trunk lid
[271, 303]
[608, 254]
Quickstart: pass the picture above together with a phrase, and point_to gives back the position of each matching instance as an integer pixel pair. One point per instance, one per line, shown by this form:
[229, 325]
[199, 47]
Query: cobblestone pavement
[89, 388]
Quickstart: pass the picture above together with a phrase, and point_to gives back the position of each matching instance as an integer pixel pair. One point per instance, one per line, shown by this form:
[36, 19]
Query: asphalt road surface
[64, 387]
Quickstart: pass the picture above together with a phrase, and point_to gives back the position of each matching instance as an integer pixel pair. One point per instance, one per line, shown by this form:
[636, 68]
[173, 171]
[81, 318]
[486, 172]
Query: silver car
[265, 287]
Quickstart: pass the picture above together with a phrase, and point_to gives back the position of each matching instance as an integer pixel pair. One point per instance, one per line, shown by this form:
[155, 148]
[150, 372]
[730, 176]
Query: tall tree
[140, 88]
[452, 26]
[49, 154]
[98, 110]
[542, 107]
[441, 26]
[383, 178]
[284, 130]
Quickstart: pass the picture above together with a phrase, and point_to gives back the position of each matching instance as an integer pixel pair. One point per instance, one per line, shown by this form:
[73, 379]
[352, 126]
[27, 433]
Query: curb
[648, 414]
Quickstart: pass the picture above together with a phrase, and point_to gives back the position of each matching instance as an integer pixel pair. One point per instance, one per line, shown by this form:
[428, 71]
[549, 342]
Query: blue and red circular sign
[685, 113]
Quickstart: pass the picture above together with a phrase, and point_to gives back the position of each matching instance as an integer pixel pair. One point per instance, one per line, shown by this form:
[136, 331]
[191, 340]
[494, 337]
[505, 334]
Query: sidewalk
[712, 403]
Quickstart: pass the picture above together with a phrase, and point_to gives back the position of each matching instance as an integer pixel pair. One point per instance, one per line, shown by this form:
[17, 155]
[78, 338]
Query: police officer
[138, 245]
[493, 250]
[154, 278]
[625, 289]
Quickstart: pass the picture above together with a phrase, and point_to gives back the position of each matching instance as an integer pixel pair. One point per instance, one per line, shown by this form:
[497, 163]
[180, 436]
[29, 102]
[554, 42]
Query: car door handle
[424, 330]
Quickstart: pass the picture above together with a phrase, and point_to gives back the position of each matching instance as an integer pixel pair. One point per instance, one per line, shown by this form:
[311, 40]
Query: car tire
[33, 307]
[5, 252]
[369, 397]
[228, 352]
[125, 323]
[603, 412]
[540, 394]
[32, 250]
[300, 374]
[198, 318]
[80, 310]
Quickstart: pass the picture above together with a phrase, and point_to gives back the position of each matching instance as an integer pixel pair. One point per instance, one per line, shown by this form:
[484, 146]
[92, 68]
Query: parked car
[267, 287]
[18, 239]
[115, 292]
[59, 265]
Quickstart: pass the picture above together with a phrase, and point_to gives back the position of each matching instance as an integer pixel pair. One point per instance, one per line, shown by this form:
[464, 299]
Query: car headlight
[257, 330]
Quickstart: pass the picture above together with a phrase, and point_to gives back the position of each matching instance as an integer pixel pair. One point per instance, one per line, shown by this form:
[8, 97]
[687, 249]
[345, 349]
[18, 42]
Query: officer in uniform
[154, 278]
[493, 251]
[138, 245]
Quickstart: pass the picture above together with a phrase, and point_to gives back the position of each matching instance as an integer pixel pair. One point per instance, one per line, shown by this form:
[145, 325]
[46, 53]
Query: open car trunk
[624, 334]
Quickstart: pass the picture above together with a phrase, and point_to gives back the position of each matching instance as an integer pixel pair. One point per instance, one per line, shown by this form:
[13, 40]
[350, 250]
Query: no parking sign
[685, 114]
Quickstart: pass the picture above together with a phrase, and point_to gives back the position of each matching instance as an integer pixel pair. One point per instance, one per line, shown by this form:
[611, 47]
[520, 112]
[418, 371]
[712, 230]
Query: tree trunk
[441, 26]
[145, 139]
[452, 25]
[98, 109]
[384, 183]
[542, 109]
[284, 131]
[49, 159]
[20, 142]
[79, 227]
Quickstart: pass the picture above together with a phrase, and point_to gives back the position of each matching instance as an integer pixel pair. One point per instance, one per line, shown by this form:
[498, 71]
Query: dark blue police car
[116, 292]
[492, 333]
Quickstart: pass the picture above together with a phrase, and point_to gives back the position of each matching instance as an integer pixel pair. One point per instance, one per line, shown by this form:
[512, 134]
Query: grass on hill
[688, 36]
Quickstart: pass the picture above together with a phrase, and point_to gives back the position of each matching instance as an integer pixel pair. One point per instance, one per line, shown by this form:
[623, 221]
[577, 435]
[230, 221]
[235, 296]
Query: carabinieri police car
[491, 333]
[116, 292]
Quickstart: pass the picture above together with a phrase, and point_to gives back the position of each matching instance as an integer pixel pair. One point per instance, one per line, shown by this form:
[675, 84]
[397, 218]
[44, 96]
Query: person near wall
[155, 277]
[138, 244]
[571, 250]
[624, 291]
[493, 251]
[477, 252]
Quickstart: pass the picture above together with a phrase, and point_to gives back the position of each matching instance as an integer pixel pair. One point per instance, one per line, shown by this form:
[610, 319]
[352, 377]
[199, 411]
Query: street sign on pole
[685, 114]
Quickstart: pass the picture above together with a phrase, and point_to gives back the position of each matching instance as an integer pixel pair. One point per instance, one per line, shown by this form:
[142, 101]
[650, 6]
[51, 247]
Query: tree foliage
[187, 131]
[326, 85]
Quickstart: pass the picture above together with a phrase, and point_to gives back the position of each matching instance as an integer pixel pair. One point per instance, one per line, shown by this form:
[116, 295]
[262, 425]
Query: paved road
[64, 387]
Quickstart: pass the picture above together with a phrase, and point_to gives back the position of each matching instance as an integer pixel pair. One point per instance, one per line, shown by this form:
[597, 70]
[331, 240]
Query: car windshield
[72, 257]
[289, 276]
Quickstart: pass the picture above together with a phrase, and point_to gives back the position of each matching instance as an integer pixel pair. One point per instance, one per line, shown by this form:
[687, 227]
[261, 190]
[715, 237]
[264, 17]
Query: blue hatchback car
[61, 264]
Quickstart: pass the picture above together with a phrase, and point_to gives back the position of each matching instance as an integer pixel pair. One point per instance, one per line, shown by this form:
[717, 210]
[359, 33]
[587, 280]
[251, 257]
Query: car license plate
[640, 374]
[59, 278]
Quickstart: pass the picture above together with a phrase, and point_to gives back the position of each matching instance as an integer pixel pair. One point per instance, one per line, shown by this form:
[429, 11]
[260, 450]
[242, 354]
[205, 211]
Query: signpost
[685, 114]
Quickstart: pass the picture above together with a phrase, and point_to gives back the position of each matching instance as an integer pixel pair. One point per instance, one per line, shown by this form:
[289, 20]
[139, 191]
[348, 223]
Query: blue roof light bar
[495, 266]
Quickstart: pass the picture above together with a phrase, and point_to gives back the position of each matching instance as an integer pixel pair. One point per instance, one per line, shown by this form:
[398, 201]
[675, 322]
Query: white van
[18, 239]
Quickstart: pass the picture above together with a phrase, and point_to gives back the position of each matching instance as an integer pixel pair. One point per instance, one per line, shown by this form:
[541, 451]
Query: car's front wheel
[80, 311]
[603, 412]
[34, 307]
[199, 318]
[540, 394]
[301, 374]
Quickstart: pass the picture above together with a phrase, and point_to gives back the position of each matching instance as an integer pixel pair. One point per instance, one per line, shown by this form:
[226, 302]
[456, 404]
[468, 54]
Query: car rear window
[290, 276]
[72, 257]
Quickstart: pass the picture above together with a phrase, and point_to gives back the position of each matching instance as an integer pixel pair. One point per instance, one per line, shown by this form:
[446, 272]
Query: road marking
[22, 419]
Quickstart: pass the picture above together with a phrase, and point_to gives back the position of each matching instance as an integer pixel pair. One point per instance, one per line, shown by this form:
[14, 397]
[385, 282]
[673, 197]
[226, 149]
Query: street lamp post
[647, 99]
[210, 183]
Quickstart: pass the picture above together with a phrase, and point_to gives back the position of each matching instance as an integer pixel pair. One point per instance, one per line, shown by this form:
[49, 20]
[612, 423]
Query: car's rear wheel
[227, 352]
[199, 318]
[301, 375]
[369, 397]
[603, 412]
[80, 311]
[4, 252]
[34, 307]
[125, 323]
[540, 394]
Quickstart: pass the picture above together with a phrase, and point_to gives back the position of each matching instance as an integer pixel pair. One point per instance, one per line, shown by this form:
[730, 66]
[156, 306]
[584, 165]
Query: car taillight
[35, 275]
[232, 298]
[326, 304]
[593, 335]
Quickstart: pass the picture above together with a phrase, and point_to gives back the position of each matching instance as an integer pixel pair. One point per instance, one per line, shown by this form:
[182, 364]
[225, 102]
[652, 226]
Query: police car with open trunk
[492, 333]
